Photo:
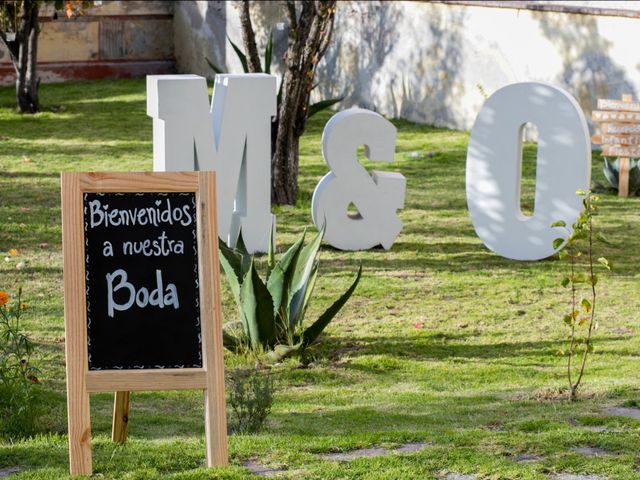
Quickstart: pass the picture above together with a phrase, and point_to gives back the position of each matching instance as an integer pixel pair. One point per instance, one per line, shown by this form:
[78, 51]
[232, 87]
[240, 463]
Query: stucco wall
[434, 62]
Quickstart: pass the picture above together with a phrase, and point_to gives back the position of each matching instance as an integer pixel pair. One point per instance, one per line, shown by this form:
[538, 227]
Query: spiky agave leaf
[311, 333]
[307, 296]
[610, 171]
[300, 300]
[241, 56]
[234, 268]
[302, 271]
[280, 352]
[268, 52]
[271, 253]
[214, 67]
[230, 342]
[257, 310]
[281, 277]
[322, 105]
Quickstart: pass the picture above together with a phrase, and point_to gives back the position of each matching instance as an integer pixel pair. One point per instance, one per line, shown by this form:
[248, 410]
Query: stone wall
[435, 62]
[114, 39]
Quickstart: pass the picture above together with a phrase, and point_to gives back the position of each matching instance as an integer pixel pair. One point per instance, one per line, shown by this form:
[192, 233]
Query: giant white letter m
[233, 138]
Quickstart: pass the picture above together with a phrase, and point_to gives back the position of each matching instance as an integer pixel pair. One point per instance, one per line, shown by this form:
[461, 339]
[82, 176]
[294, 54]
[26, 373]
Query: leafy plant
[611, 172]
[578, 250]
[268, 55]
[272, 311]
[250, 397]
[18, 375]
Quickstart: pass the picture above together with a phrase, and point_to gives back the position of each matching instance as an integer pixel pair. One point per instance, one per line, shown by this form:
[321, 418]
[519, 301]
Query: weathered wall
[199, 30]
[434, 62]
[115, 39]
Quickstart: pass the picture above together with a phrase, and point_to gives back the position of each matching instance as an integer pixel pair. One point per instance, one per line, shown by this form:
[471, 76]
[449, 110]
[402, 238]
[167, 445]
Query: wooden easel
[80, 380]
[619, 134]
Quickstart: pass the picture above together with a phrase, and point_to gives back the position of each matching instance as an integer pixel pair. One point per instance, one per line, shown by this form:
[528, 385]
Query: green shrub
[18, 376]
[250, 395]
[272, 311]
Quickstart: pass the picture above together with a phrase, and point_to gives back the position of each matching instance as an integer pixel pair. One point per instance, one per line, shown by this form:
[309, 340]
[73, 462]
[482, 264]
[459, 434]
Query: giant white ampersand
[494, 168]
[376, 197]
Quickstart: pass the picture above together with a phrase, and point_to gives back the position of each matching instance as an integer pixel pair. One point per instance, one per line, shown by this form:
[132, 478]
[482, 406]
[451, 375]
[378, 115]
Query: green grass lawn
[479, 380]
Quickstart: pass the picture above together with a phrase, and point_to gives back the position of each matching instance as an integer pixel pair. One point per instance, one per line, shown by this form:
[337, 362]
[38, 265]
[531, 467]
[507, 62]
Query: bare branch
[327, 33]
[249, 38]
[291, 14]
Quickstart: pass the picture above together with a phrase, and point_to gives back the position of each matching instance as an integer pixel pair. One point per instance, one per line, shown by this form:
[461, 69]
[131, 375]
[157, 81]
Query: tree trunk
[309, 35]
[27, 81]
[23, 50]
[284, 163]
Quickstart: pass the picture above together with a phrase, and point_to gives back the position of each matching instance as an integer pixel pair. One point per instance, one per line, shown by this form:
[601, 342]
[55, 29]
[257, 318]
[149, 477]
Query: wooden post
[215, 416]
[75, 327]
[120, 427]
[623, 177]
[623, 171]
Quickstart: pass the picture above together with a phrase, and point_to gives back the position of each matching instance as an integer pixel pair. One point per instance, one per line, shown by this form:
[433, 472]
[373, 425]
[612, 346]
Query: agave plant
[611, 172]
[272, 311]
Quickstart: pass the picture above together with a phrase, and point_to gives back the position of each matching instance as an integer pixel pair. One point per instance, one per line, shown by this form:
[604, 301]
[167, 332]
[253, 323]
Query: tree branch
[291, 14]
[327, 34]
[13, 46]
[249, 38]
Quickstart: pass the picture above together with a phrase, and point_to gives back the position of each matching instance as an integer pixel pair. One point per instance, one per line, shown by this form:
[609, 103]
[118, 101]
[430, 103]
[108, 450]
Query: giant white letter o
[494, 167]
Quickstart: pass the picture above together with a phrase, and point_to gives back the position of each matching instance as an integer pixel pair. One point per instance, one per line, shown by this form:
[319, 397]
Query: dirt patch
[623, 412]
[527, 458]
[596, 428]
[571, 476]
[353, 454]
[592, 428]
[591, 451]
[411, 447]
[623, 331]
[495, 427]
[260, 470]
[7, 471]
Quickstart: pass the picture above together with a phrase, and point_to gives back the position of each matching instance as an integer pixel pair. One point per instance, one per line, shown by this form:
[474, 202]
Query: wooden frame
[80, 381]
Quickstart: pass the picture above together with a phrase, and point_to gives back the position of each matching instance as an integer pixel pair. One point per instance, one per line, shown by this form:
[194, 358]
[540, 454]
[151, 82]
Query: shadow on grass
[445, 346]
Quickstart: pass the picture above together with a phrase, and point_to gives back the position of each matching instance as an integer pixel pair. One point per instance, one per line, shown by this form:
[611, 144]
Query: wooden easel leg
[215, 426]
[215, 415]
[623, 178]
[79, 426]
[120, 427]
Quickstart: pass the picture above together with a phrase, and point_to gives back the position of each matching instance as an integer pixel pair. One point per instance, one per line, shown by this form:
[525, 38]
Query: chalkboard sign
[141, 297]
[141, 263]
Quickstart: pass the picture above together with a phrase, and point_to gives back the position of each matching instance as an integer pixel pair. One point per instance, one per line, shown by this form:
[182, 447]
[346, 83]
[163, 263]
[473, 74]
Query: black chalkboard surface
[141, 262]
